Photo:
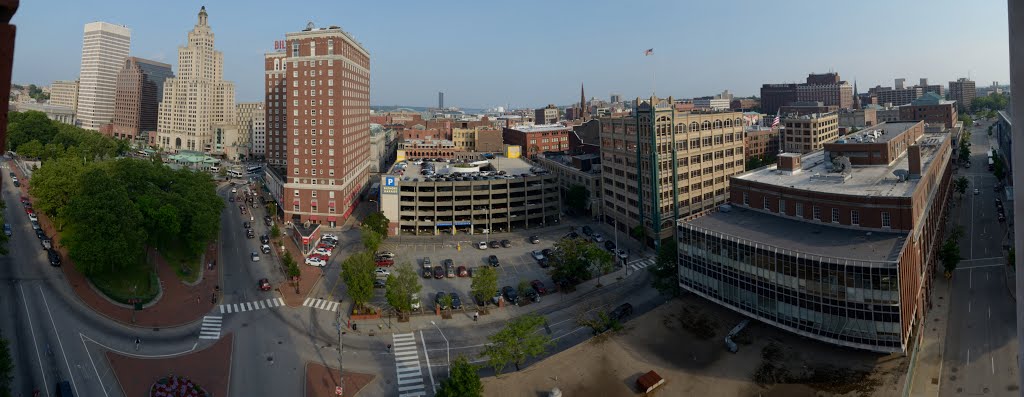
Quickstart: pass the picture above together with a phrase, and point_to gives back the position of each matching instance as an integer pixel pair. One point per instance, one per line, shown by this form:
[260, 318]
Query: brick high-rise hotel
[318, 124]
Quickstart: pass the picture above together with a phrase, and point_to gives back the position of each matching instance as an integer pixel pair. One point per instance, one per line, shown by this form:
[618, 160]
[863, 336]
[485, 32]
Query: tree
[484, 284]
[222, 172]
[401, 286]
[357, 271]
[371, 239]
[960, 184]
[998, 168]
[577, 197]
[54, 185]
[575, 260]
[516, 342]
[7, 368]
[754, 163]
[522, 287]
[950, 255]
[968, 121]
[965, 152]
[463, 382]
[665, 271]
[601, 261]
[272, 208]
[105, 228]
[291, 267]
[446, 302]
[378, 223]
[275, 231]
[32, 149]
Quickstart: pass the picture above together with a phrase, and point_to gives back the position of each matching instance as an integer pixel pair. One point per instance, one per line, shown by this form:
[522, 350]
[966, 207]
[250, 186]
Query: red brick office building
[535, 139]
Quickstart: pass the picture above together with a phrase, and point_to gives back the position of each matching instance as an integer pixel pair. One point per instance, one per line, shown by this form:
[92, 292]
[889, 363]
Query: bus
[374, 193]
[236, 174]
[254, 169]
[214, 169]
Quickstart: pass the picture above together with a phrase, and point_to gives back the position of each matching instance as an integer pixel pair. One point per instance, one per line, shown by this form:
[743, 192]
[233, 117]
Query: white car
[323, 251]
[482, 245]
[485, 231]
[314, 261]
[537, 255]
[621, 254]
[233, 190]
[386, 255]
[32, 217]
[255, 256]
[415, 301]
[598, 238]
[381, 272]
[976, 191]
[329, 236]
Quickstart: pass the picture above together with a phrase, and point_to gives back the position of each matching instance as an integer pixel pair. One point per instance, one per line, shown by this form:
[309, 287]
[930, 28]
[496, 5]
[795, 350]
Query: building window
[799, 210]
[886, 219]
[295, 49]
[817, 213]
[782, 206]
[746, 199]
[764, 201]
[835, 215]
[854, 217]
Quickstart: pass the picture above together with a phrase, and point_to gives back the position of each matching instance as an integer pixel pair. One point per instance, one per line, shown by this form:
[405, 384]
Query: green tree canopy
[484, 284]
[463, 382]
[371, 239]
[357, 271]
[516, 342]
[32, 149]
[7, 368]
[378, 223]
[960, 184]
[105, 230]
[665, 272]
[577, 197]
[401, 286]
[574, 260]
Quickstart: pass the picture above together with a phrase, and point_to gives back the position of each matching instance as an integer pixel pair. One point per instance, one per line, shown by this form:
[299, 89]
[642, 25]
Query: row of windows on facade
[693, 143]
[816, 211]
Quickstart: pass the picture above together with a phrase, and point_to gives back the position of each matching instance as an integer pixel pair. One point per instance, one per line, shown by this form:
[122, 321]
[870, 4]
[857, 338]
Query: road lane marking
[427, 357]
[210, 328]
[35, 342]
[993, 358]
[94, 370]
[59, 343]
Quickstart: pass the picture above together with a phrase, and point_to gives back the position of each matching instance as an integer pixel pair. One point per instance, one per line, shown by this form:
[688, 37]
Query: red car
[385, 262]
[462, 272]
[24, 199]
[539, 287]
[264, 284]
[29, 210]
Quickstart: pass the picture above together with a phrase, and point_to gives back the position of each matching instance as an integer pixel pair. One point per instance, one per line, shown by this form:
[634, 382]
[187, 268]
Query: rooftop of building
[413, 167]
[42, 107]
[810, 116]
[886, 132]
[566, 160]
[807, 237]
[540, 127]
[863, 180]
[931, 98]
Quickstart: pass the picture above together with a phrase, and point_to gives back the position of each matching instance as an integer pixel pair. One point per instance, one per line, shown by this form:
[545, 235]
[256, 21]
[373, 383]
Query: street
[981, 343]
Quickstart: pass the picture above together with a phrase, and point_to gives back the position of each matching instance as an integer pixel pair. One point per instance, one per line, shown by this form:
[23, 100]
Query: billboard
[389, 184]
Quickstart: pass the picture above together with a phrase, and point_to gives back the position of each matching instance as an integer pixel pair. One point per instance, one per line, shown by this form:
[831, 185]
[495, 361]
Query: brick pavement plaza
[208, 368]
[322, 381]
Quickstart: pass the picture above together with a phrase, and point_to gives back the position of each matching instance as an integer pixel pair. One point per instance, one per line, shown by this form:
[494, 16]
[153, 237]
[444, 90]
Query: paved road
[981, 343]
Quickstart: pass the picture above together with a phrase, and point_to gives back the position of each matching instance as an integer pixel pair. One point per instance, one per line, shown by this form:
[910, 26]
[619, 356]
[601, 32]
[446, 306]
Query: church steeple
[583, 103]
[202, 16]
[856, 96]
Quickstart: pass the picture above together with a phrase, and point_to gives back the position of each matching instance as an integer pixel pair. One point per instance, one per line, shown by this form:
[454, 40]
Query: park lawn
[186, 267]
[125, 284]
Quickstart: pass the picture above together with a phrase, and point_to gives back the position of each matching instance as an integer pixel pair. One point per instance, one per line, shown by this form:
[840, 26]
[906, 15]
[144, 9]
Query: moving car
[976, 191]
[250, 234]
[534, 240]
[609, 245]
[506, 243]
[246, 225]
[263, 284]
[265, 239]
[438, 272]
[7, 229]
[481, 245]
[493, 260]
[621, 311]
[379, 283]
[265, 248]
[539, 287]
[231, 199]
[255, 256]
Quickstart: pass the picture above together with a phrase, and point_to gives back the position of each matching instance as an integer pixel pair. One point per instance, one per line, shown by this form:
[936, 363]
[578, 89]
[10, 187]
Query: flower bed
[177, 386]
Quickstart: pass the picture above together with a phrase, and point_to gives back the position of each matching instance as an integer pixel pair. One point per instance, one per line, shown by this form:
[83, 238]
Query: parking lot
[516, 262]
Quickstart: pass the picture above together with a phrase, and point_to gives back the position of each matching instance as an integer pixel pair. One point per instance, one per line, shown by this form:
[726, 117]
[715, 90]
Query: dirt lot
[675, 340]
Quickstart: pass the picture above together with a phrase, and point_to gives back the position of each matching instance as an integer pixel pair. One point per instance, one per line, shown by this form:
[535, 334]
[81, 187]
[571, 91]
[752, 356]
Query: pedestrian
[197, 299]
[213, 298]
[389, 348]
[137, 343]
[476, 315]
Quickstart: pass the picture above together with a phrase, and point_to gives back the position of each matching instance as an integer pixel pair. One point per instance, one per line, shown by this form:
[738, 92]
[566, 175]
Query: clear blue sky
[534, 52]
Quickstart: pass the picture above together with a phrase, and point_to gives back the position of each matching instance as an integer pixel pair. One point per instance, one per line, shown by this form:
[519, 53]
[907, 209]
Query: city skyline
[480, 70]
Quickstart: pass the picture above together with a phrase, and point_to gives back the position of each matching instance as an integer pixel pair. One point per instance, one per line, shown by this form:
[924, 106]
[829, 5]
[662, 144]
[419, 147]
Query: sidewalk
[175, 306]
[927, 377]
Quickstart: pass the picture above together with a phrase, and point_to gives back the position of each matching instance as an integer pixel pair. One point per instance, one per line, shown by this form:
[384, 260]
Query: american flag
[649, 51]
[777, 120]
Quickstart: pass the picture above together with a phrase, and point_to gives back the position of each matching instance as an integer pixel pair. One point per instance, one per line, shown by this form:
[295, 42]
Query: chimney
[788, 163]
[914, 160]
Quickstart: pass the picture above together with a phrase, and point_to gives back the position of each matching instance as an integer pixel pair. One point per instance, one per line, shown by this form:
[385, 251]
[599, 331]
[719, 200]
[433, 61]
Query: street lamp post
[341, 349]
[446, 348]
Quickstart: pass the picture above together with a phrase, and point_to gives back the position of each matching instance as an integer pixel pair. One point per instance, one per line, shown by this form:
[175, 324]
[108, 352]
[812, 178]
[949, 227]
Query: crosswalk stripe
[406, 355]
[280, 301]
[334, 306]
[407, 388]
[402, 372]
[404, 348]
[306, 302]
[221, 309]
[415, 379]
[405, 343]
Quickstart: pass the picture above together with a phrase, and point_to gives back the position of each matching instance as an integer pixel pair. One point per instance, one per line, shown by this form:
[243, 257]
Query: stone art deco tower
[198, 108]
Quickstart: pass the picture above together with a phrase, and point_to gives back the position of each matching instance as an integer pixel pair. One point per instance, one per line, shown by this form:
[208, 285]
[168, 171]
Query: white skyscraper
[104, 49]
[198, 109]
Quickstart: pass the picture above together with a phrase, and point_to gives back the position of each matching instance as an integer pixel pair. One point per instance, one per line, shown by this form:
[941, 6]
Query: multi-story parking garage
[442, 197]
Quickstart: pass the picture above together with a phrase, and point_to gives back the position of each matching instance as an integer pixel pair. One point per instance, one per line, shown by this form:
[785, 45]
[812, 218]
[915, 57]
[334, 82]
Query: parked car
[385, 262]
[609, 245]
[539, 287]
[547, 252]
[456, 300]
[531, 295]
[1001, 217]
[481, 245]
[53, 256]
[385, 255]
[438, 272]
[506, 243]
[587, 230]
[267, 220]
[449, 269]
[534, 240]
[381, 272]
[494, 244]
[621, 311]
[597, 237]
[493, 260]
[249, 233]
[40, 234]
[439, 299]
[32, 217]
[7, 229]
[977, 191]
[379, 283]
[415, 301]
[462, 271]
[544, 263]
[263, 284]
[35, 225]
[428, 272]
[24, 199]
[329, 237]
[47, 243]
[246, 225]
[265, 239]
[537, 255]
[265, 248]
[510, 295]
[316, 261]
[497, 297]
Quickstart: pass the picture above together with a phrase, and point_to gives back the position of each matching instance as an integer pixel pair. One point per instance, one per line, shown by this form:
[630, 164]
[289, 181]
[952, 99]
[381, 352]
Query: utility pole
[341, 349]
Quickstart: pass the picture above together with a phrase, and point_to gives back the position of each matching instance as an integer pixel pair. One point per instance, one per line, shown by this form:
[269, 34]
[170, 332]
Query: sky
[530, 53]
